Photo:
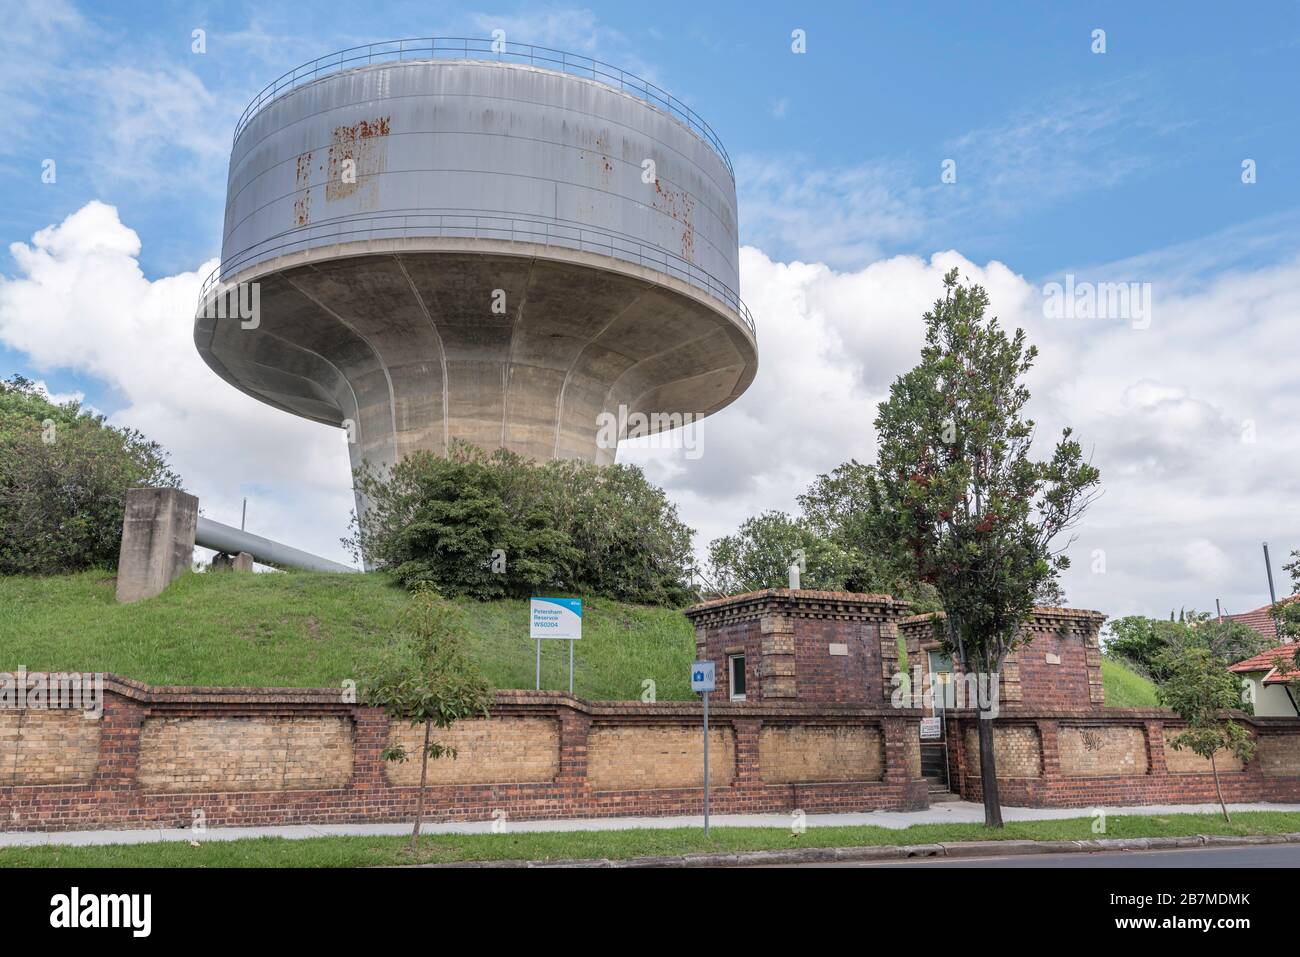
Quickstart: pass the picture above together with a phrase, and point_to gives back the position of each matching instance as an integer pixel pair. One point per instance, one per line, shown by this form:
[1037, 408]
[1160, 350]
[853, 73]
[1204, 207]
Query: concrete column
[157, 541]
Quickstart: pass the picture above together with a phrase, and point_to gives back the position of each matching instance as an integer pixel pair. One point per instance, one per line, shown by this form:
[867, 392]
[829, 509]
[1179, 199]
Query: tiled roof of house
[1261, 619]
[1267, 661]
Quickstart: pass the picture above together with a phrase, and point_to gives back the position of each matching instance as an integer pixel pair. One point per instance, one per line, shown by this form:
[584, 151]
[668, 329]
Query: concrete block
[157, 541]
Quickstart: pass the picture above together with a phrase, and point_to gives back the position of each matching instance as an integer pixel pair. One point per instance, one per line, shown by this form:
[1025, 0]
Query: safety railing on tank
[469, 48]
[463, 224]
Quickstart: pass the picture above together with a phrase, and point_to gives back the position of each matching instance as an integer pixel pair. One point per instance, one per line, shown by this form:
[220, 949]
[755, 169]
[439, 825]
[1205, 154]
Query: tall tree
[958, 498]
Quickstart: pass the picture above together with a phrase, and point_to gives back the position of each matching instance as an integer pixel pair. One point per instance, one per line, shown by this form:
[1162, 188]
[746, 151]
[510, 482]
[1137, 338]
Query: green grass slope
[1125, 688]
[301, 629]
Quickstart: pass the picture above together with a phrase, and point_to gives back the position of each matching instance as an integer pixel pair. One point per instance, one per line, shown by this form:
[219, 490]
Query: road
[1259, 855]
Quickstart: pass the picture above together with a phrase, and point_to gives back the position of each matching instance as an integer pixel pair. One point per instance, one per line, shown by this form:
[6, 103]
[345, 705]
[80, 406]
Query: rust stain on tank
[357, 154]
[678, 204]
[302, 186]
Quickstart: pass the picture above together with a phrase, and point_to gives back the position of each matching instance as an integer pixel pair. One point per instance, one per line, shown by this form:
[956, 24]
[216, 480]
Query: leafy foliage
[64, 473]
[1148, 644]
[761, 552]
[1201, 691]
[496, 525]
[827, 539]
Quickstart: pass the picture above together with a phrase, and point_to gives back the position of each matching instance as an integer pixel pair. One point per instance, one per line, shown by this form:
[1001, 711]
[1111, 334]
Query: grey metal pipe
[225, 538]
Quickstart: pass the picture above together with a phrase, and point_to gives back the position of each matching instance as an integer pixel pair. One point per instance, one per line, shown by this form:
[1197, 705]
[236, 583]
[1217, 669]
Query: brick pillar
[1048, 740]
[370, 737]
[1155, 732]
[902, 750]
[748, 767]
[776, 670]
[574, 729]
[119, 744]
[157, 541]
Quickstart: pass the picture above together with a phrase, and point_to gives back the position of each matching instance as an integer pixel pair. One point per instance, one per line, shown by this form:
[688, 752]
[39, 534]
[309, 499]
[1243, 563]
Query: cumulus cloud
[80, 302]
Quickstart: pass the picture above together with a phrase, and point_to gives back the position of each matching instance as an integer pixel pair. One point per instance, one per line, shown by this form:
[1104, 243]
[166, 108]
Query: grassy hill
[1126, 689]
[304, 629]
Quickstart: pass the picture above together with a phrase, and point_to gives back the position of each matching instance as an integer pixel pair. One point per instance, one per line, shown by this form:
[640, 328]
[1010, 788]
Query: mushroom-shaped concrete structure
[442, 239]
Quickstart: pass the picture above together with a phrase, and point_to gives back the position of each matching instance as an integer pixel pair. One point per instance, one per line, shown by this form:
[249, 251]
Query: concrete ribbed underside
[407, 346]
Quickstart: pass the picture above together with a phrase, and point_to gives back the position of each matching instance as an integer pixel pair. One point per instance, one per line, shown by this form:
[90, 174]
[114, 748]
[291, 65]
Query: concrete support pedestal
[157, 541]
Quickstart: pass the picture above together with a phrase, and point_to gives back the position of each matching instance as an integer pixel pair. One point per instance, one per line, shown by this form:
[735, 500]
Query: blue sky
[1125, 164]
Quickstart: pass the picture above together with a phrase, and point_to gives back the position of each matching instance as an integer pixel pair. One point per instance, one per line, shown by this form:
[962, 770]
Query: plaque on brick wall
[1053, 659]
[839, 649]
[931, 728]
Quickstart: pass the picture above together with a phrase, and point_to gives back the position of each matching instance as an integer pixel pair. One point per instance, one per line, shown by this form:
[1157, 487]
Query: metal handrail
[476, 225]
[461, 48]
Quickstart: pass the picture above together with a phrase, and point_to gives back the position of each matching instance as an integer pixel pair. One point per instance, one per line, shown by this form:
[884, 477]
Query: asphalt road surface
[1258, 855]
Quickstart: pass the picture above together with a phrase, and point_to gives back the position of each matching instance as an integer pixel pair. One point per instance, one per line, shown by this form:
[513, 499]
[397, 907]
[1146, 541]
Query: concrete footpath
[950, 812]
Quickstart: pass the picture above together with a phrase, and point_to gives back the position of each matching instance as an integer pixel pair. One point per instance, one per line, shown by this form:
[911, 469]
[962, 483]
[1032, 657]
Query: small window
[736, 676]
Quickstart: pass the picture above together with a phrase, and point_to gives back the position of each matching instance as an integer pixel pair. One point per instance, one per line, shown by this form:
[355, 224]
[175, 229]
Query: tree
[465, 524]
[1146, 643]
[425, 677]
[837, 507]
[631, 545]
[959, 502]
[761, 552]
[1202, 692]
[64, 474]
[497, 525]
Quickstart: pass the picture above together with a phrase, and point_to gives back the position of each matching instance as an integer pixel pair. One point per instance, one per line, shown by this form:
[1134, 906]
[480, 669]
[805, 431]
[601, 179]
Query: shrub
[496, 525]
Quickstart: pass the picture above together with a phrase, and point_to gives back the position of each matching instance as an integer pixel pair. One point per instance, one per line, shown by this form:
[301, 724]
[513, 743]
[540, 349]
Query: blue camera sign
[702, 676]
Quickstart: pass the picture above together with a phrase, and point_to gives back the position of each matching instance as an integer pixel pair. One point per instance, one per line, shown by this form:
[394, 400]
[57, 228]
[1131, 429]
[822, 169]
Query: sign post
[702, 681]
[555, 618]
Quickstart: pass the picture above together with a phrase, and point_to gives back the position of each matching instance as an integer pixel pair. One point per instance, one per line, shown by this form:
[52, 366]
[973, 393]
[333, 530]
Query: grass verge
[585, 845]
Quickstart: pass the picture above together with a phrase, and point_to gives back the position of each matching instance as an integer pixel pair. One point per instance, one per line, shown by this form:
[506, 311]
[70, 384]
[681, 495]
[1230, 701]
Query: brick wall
[1279, 756]
[807, 753]
[1016, 751]
[47, 747]
[488, 751]
[250, 756]
[1122, 756]
[270, 753]
[623, 758]
[1090, 751]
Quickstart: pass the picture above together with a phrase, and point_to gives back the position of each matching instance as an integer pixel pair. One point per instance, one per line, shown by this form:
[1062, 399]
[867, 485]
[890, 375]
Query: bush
[496, 526]
[64, 473]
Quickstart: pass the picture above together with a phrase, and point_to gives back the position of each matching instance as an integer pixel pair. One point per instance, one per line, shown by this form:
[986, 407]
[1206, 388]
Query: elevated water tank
[501, 243]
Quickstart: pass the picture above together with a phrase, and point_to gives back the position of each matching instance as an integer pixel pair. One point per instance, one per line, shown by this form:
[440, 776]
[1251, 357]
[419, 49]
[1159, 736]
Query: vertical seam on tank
[564, 386]
[442, 354]
[510, 356]
[392, 400]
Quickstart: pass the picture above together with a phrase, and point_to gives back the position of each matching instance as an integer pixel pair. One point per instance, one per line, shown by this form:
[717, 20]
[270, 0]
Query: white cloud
[80, 302]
